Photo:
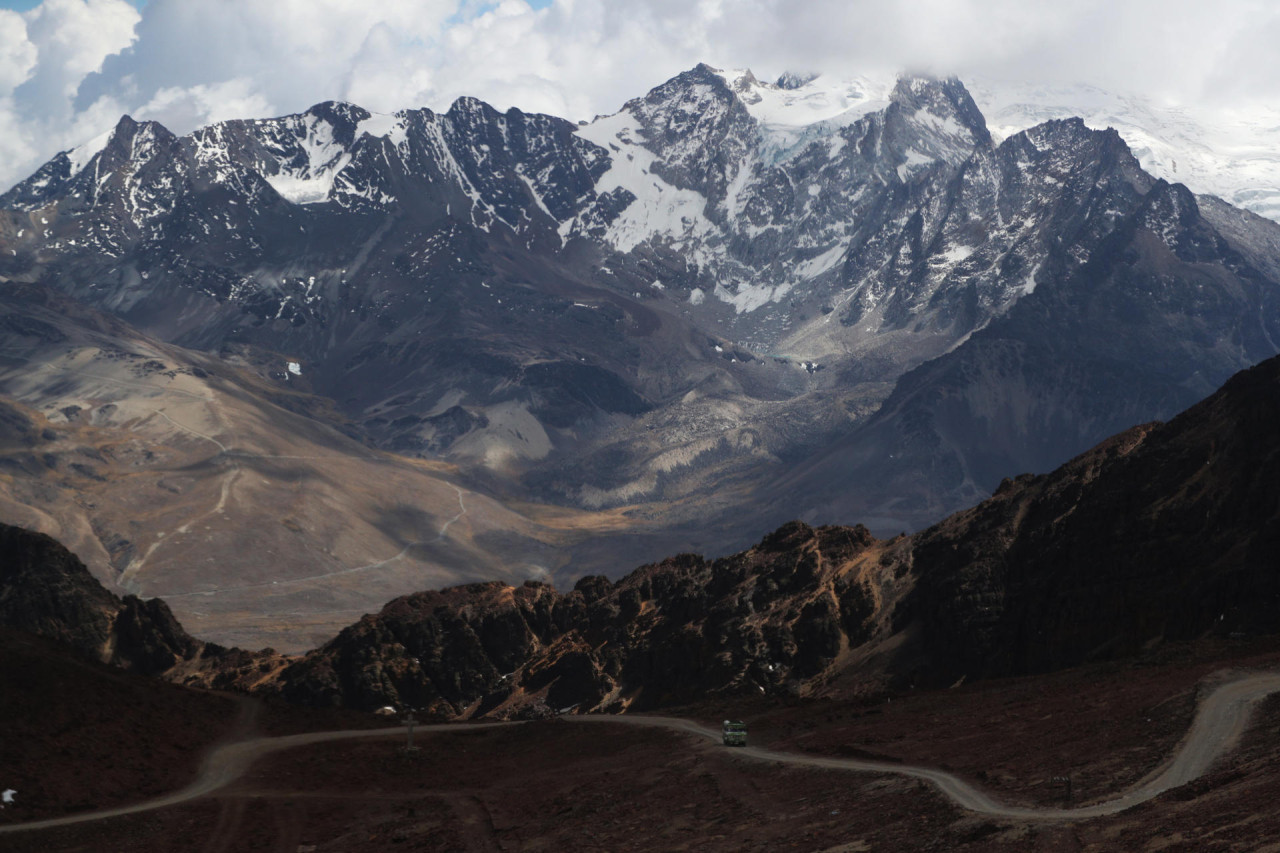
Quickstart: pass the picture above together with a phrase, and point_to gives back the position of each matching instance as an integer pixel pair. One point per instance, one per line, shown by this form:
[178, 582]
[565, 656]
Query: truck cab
[734, 733]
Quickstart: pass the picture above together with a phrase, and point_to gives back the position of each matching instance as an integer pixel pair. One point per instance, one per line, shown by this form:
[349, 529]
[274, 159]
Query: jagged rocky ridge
[683, 299]
[1164, 532]
[1162, 309]
[765, 620]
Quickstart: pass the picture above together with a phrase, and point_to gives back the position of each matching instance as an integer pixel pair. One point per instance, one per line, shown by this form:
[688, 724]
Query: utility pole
[409, 748]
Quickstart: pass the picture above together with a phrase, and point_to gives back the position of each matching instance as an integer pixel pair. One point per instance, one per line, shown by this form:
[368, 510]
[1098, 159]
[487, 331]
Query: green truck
[734, 733]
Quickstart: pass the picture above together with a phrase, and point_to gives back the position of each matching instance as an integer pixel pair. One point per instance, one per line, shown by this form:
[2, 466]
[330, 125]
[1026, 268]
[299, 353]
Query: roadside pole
[409, 749]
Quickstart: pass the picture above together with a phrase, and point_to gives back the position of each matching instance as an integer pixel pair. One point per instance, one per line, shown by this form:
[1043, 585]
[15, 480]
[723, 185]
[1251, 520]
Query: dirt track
[1220, 719]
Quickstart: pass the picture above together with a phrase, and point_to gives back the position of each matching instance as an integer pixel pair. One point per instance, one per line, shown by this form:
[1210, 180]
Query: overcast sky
[70, 68]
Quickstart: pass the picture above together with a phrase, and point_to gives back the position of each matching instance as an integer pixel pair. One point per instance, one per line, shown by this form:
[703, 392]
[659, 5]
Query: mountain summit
[730, 303]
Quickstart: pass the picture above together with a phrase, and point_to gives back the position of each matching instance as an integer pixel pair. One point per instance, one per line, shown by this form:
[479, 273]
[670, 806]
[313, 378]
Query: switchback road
[1220, 720]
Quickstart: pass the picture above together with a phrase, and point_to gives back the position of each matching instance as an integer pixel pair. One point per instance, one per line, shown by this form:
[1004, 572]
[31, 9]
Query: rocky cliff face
[1140, 320]
[46, 590]
[765, 620]
[1163, 532]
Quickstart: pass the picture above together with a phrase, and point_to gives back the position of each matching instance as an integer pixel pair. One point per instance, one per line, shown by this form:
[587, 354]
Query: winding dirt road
[1220, 720]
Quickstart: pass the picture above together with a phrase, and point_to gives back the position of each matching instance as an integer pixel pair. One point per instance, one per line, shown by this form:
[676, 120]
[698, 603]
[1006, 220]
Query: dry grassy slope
[179, 475]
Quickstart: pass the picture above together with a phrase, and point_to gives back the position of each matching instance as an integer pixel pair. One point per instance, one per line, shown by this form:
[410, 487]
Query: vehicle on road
[734, 733]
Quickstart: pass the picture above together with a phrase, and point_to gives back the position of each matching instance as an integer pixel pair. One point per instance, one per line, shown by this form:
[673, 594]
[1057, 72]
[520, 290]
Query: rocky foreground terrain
[556, 785]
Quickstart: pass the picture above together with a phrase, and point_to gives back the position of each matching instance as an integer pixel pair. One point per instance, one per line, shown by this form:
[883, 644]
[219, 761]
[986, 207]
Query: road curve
[229, 762]
[1219, 722]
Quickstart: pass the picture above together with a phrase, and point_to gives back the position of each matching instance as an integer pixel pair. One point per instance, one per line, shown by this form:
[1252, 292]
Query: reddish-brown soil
[277, 717]
[1233, 808]
[550, 786]
[77, 735]
[1105, 726]
[560, 786]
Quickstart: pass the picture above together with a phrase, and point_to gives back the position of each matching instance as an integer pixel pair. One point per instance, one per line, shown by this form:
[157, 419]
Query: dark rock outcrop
[759, 621]
[1164, 532]
[46, 590]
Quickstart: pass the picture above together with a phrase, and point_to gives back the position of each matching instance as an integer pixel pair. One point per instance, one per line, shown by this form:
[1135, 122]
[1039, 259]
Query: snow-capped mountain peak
[310, 150]
[772, 195]
[82, 155]
[809, 99]
[1222, 152]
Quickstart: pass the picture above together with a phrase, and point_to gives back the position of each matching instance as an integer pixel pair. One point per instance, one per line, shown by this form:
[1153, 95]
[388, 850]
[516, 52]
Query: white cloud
[202, 104]
[69, 67]
[73, 38]
[296, 52]
[17, 53]
[44, 54]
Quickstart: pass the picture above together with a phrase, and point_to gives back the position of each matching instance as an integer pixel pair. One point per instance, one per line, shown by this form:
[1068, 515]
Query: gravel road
[1220, 720]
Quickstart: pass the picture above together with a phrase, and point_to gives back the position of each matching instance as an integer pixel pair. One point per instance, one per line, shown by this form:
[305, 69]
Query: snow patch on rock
[659, 208]
[82, 155]
[325, 158]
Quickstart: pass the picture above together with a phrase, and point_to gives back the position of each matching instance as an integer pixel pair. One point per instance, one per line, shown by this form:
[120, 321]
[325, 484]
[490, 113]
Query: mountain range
[281, 370]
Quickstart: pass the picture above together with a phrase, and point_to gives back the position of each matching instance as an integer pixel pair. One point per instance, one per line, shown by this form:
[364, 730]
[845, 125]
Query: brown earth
[241, 500]
[1105, 725]
[80, 735]
[554, 785]
[543, 786]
